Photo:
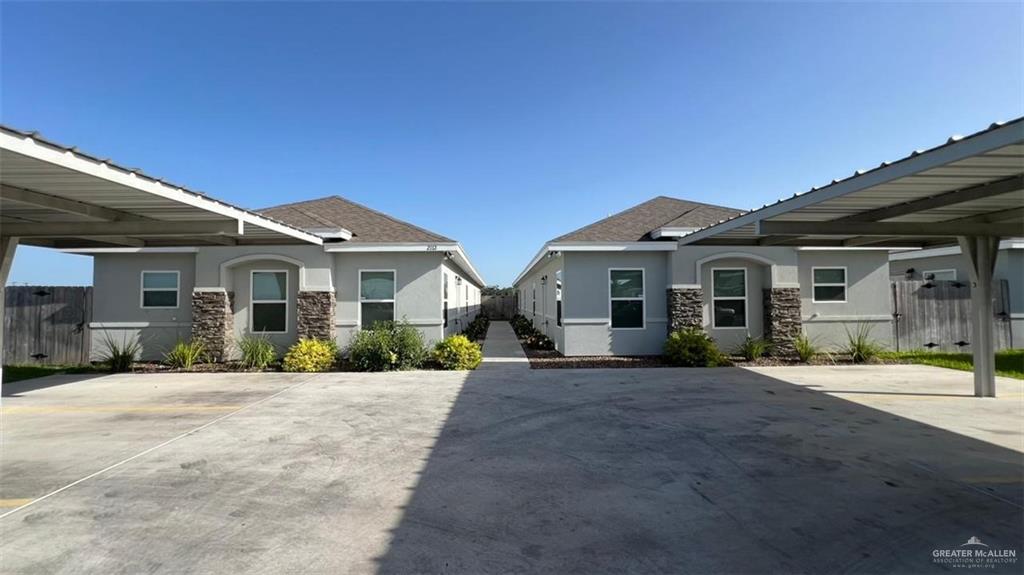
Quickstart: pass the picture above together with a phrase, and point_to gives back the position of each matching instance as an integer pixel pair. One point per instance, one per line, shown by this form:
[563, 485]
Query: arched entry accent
[225, 267]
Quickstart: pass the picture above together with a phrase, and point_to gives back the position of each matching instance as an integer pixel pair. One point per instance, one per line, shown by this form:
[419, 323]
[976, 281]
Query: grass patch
[14, 373]
[1009, 363]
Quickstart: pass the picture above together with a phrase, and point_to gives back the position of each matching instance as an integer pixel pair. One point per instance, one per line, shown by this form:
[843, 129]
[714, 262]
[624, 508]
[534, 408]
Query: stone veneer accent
[212, 321]
[315, 315]
[782, 319]
[685, 308]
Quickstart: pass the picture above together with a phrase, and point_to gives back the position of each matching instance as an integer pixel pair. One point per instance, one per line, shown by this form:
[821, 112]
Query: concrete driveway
[796, 470]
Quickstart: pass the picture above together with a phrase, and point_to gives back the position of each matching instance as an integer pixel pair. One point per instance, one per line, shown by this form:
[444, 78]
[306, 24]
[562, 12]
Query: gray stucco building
[620, 285]
[369, 267]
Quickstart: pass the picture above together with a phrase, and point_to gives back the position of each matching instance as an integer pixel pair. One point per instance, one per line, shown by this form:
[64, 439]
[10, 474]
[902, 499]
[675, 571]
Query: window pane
[159, 299]
[730, 313]
[829, 293]
[160, 280]
[830, 276]
[729, 283]
[269, 317]
[377, 285]
[627, 283]
[629, 313]
[375, 312]
[270, 285]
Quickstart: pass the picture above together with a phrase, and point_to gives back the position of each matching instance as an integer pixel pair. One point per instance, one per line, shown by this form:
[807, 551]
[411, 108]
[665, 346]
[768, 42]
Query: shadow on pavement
[17, 388]
[702, 471]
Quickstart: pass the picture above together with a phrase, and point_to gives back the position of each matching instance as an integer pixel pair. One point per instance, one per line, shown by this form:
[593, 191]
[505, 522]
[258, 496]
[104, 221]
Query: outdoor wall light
[909, 274]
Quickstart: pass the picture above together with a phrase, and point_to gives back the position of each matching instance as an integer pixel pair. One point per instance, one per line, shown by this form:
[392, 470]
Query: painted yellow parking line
[115, 409]
[14, 502]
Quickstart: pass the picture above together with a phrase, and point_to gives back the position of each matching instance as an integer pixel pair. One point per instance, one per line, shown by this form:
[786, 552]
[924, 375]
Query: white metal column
[8, 245]
[980, 252]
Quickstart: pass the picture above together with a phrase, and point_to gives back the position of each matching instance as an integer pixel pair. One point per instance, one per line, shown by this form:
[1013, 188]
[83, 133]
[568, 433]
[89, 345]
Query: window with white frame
[558, 298]
[444, 299]
[160, 289]
[533, 299]
[268, 309]
[376, 297]
[729, 298]
[626, 295]
[829, 285]
[939, 275]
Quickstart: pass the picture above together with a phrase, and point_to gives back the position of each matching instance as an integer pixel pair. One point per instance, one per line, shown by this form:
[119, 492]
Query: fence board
[498, 306]
[936, 315]
[47, 324]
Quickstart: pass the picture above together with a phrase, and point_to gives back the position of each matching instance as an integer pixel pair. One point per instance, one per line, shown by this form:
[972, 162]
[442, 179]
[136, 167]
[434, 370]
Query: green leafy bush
[185, 354]
[805, 347]
[257, 351]
[539, 341]
[753, 348]
[387, 346]
[457, 353]
[691, 347]
[119, 355]
[859, 345]
[477, 329]
[311, 355]
[522, 326]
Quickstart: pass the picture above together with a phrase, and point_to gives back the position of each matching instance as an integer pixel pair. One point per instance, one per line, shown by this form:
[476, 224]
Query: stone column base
[685, 308]
[315, 315]
[212, 321]
[782, 319]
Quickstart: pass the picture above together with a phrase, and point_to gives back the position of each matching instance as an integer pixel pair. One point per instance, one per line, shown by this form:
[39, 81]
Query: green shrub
[185, 354]
[522, 326]
[477, 329]
[311, 355]
[257, 351]
[859, 345]
[691, 347]
[457, 353]
[539, 341]
[387, 346]
[805, 347]
[753, 348]
[119, 356]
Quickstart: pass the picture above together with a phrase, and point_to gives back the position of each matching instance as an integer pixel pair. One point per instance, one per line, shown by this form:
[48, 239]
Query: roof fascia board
[594, 247]
[672, 232]
[29, 147]
[914, 254]
[981, 143]
[541, 253]
[149, 250]
[391, 247]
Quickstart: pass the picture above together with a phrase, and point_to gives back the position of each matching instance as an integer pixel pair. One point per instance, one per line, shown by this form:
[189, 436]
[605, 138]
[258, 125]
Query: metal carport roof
[55, 196]
[970, 185]
[968, 191]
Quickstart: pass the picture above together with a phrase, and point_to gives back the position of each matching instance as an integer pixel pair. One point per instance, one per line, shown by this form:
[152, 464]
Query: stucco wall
[463, 299]
[757, 275]
[683, 262]
[585, 304]
[315, 276]
[546, 318]
[418, 290]
[868, 297]
[117, 310]
[240, 280]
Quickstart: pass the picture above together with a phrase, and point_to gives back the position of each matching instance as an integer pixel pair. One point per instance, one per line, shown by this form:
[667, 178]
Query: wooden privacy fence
[936, 315]
[47, 325]
[498, 306]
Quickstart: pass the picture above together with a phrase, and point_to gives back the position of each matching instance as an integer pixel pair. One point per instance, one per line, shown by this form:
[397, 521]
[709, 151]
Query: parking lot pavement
[802, 470]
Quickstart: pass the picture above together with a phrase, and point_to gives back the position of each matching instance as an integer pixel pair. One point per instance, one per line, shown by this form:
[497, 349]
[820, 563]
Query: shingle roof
[366, 224]
[636, 223]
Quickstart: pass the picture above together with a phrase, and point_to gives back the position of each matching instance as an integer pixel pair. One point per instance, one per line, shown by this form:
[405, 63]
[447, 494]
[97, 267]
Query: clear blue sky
[502, 125]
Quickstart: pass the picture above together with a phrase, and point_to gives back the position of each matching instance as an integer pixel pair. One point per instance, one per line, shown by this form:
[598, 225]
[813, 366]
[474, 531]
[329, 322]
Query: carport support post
[980, 252]
[8, 245]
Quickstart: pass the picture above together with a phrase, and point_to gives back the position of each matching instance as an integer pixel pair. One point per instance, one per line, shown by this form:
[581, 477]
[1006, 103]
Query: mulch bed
[551, 359]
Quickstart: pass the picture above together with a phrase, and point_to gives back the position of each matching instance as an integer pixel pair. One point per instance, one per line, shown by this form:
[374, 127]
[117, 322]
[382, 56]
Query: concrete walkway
[502, 349]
